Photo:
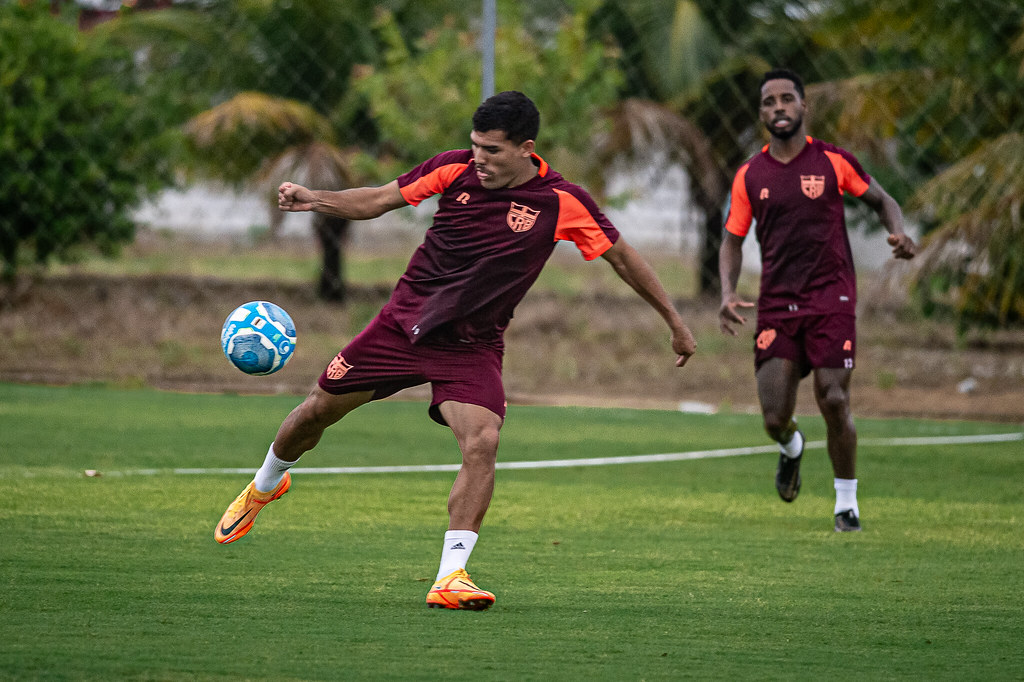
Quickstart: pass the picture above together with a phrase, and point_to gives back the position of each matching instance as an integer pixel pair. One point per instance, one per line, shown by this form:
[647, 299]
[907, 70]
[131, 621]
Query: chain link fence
[111, 109]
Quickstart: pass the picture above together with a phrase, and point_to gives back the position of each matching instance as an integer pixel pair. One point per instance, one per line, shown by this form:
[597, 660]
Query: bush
[81, 142]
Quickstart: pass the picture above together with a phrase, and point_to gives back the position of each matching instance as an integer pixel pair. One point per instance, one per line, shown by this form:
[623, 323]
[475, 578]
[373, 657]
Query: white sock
[272, 471]
[846, 495]
[458, 545]
[794, 448]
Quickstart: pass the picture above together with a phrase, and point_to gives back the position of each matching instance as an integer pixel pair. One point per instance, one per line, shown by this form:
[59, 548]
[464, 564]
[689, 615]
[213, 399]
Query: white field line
[598, 461]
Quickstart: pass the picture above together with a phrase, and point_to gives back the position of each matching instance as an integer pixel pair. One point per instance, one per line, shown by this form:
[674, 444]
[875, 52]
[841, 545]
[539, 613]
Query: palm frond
[655, 131]
[258, 115]
[978, 204]
[233, 140]
[315, 165]
[990, 182]
[869, 110]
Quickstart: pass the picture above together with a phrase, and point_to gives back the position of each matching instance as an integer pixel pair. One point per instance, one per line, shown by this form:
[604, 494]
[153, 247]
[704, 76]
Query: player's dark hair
[786, 74]
[511, 112]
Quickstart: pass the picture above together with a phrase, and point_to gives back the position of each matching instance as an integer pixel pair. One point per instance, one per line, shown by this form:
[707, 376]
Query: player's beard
[789, 132]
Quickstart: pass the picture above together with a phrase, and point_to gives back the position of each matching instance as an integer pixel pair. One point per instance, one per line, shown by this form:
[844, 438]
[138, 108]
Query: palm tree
[642, 128]
[976, 251]
[950, 123]
[317, 164]
[264, 91]
[237, 138]
[686, 100]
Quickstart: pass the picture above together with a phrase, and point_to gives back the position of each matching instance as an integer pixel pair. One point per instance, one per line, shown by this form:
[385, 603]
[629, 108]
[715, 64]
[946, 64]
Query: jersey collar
[541, 164]
[809, 139]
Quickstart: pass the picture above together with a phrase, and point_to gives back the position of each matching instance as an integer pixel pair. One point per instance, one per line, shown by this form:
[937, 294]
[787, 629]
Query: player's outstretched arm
[359, 203]
[890, 214]
[730, 260]
[637, 273]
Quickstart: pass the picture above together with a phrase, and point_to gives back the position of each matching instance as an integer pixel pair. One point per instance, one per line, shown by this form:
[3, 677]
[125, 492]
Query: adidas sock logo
[458, 545]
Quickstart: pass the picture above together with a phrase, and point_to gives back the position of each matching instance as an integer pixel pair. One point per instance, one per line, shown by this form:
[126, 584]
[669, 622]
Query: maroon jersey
[486, 247]
[806, 262]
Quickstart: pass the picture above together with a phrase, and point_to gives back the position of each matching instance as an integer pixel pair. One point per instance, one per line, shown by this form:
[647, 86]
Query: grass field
[674, 570]
[299, 260]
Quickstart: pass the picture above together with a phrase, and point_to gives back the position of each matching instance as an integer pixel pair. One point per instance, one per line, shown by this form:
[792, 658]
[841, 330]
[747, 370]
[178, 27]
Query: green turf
[680, 570]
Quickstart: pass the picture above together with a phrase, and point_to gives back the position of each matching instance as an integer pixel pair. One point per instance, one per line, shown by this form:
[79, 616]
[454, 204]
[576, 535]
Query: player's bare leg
[832, 391]
[305, 425]
[777, 382]
[476, 430]
[300, 432]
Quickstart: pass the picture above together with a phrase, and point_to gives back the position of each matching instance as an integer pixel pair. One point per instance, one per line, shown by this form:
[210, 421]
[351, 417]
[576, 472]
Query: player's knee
[481, 447]
[833, 399]
[776, 424]
[316, 411]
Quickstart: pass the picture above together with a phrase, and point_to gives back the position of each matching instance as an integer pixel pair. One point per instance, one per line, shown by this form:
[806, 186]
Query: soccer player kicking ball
[501, 211]
[806, 307]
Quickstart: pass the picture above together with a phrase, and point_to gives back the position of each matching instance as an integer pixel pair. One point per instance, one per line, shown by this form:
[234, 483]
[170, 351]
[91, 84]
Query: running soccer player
[501, 211]
[806, 307]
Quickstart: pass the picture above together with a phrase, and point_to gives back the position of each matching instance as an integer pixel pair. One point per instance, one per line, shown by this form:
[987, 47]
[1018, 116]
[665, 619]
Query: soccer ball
[258, 338]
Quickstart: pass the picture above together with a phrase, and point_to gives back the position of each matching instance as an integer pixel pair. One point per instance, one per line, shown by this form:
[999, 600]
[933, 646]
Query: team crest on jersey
[521, 218]
[813, 186]
[338, 368]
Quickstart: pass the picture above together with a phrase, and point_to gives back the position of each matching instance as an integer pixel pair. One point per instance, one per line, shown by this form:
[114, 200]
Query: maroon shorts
[383, 360]
[810, 341]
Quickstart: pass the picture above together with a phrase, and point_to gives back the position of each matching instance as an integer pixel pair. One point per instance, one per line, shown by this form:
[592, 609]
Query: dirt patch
[604, 350]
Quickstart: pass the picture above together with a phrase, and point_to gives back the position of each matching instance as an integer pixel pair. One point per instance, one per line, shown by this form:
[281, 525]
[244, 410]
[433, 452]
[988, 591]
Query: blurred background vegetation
[105, 104]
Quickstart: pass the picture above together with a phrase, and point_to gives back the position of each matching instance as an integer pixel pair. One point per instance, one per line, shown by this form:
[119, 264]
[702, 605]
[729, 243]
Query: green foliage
[939, 105]
[974, 266]
[175, 50]
[422, 97]
[573, 81]
[933, 81]
[79, 143]
[665, 47]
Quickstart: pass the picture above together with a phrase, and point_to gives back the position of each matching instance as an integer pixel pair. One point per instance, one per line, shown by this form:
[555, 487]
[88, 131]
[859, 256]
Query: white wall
[658, 214]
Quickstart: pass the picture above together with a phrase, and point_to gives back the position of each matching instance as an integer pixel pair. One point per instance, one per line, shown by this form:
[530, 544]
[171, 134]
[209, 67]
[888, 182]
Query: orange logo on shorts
[338, 368]
[848, 345]
[765, 338]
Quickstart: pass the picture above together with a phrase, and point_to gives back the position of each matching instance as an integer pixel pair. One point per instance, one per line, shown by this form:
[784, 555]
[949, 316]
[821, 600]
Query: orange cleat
[457, 591]
[238, 519]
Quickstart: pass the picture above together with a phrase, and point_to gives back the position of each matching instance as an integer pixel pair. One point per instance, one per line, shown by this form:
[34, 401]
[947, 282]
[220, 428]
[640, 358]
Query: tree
[975, 256]
[80, 143]
[275, 102]
[942, 104]
[319, 165]
[421, 99]
[686, 100]
[416, 99]
[232, 141]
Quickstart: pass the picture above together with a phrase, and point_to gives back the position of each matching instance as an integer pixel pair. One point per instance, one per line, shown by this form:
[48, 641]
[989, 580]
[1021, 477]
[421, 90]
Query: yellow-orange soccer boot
[238, 519]
[457, 591]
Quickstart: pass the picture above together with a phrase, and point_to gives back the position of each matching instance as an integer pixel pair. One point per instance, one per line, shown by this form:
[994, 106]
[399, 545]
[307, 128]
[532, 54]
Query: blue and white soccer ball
[258, 337]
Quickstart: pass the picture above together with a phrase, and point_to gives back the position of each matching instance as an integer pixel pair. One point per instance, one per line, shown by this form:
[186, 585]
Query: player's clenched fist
[292, 197]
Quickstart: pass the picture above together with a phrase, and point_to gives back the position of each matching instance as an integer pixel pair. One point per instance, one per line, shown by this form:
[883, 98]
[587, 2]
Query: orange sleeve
[576, 224]
[434, 182]
[848, 177]
[740, 213]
